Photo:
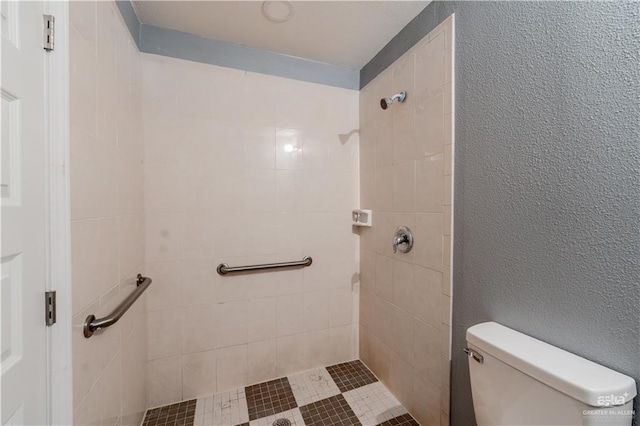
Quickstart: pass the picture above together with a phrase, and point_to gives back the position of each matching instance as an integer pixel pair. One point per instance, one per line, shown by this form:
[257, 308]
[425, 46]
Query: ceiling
[345, 33]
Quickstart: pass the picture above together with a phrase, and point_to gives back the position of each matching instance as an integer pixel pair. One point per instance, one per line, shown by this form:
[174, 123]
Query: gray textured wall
[547, 191]
[547, 220]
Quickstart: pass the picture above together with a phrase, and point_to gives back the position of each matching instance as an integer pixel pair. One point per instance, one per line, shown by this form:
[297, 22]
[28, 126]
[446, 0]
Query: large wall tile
[429, 236]
[430, 67]
[162, 237]
[261, 361]
[401, 381]
[82, 82]
[317, 349]
[165, 290]
[316, 310]
[291, 314]
[342, 344]
[430, 184]
[426, 408]
[130, 244]
[383, 141]
[429, 118]
[199, 328]
[340, 307]
[111, 384]
[94, 243]
[291, 351]
[232, 367]
[402, 337]
[198, 278]
[404, 137]
[199, 374]
[426, 295]
[232, 323]
[85, 353]
[403, 285]
[165, 333]
[165, 381]
[93, 176]
[262, 319]
[404, 187]
[426, 351]
[402, 79]
[384, 277]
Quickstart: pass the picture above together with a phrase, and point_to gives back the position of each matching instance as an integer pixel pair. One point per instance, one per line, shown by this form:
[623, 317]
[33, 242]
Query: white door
[24, 216]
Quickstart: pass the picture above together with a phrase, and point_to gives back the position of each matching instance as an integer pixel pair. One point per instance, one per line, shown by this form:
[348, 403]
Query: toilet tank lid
[579, 378]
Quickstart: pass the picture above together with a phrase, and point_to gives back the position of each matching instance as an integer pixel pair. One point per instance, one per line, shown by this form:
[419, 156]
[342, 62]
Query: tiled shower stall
[177, 166]
[406, 174]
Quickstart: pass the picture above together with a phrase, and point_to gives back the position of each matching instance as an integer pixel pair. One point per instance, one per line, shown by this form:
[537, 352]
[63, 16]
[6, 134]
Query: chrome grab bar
[91, 324]
[224, 269]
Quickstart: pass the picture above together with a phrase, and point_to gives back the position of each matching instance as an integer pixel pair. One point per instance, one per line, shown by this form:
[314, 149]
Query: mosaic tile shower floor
[344, 394]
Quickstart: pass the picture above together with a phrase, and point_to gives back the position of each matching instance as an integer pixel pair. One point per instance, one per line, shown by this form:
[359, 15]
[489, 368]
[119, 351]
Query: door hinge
[49, 28]
[50, 307]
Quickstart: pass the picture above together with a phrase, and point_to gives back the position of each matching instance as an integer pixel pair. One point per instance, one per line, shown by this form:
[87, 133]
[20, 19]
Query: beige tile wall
[107, 226]
[246, 168]
[406, 178]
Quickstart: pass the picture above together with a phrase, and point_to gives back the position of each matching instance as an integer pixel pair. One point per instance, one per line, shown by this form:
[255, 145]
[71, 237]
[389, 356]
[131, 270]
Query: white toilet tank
[519, 380]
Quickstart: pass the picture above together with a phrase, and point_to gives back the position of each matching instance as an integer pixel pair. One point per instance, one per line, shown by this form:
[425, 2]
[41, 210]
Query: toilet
[519, 380]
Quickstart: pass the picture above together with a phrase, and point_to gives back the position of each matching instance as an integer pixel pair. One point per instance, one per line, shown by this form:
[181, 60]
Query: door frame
[59, 336]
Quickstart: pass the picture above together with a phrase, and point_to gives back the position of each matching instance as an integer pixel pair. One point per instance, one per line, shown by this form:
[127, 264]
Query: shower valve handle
[403, 240]
[399, 239]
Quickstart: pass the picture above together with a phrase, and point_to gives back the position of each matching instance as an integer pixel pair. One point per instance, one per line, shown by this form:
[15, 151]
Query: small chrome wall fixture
[475, 355]
[362, 217]
[398, 97]
[403, 240]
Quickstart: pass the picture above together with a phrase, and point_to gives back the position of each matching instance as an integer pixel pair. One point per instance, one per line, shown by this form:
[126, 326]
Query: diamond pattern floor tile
[312, 386]
[374, 404]
[268, 398]
[351, 375]
[293, 415]
[180, 414]
[225, 408]
[329, 412]
[339, 395]
[403, 420]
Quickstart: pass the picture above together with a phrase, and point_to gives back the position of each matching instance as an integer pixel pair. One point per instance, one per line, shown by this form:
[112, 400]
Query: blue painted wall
[181, 45]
